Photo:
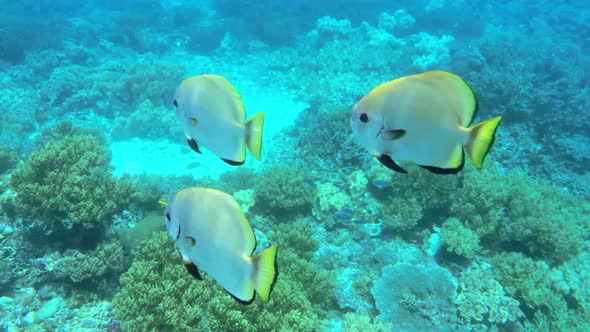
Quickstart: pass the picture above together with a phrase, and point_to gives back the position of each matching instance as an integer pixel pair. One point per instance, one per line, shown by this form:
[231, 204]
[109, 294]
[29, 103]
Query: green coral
[522, 212]
[533, 283]
[548, 221]
[430, 190]
[158, 294]
[527, 279]
[108, 257]
[147, 121]
[8, 158]
[400, 214]
[68, 184]
[297, 248]
[330, 199]
[354, 322]
[482, 298]
[480, 200]
[458, 239]
[321, 140]
[283, 189]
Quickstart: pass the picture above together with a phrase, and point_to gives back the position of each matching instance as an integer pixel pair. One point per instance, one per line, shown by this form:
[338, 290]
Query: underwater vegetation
[89, 143]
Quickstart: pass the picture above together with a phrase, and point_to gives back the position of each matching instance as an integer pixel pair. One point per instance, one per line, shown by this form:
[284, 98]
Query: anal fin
[233, 163]
[439, 170]
[389, 163]
[193, 144]
[242, 301]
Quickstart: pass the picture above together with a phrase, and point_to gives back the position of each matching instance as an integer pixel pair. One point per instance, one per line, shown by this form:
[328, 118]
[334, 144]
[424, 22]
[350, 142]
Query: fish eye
[168, 216]
[364, 117]
[175, 103]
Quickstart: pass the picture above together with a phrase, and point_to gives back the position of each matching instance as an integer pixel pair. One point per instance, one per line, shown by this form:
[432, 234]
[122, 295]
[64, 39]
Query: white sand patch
[281, 105]
[163, 157]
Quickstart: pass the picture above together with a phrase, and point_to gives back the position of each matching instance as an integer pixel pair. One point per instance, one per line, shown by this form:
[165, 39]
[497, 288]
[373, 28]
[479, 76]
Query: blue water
[90, 143]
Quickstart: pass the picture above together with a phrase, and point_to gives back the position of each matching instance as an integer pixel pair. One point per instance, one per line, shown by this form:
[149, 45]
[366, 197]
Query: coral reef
[282, 189]
[158, 293]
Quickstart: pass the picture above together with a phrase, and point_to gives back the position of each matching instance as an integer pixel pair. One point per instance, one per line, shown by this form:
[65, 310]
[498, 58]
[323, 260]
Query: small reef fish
[213, 115]
[212, 234]
[380, 184]
[423, 119]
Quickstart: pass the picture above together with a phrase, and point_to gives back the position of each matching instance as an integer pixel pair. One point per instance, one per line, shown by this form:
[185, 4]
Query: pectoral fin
[393, 134]
[193, 144]
[194, 121]
[389, 163]
[191, 268]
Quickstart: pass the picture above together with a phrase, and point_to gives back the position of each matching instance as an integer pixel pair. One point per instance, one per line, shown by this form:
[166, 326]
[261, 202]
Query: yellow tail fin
[266, 272]
[481, 140]
[254, 134]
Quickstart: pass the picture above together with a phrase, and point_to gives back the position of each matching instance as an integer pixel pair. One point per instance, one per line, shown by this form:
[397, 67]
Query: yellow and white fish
[423, 119]
[213, 116]
[212, 234]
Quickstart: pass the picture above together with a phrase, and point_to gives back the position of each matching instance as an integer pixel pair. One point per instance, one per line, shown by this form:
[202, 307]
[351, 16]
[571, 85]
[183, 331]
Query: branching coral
[354, 322]
[113, 85]
[400, 214]
[481, 199]
[8, 159]
[157, 293]
[107, 258]
[68, 184]
[147, 121]
[458, 239]
[321, 138]
[528, 280]
[549, 222]
[282, 189]
[520, 211]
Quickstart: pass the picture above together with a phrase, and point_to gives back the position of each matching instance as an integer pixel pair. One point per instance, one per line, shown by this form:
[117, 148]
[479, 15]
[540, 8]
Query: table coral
[426, 284]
